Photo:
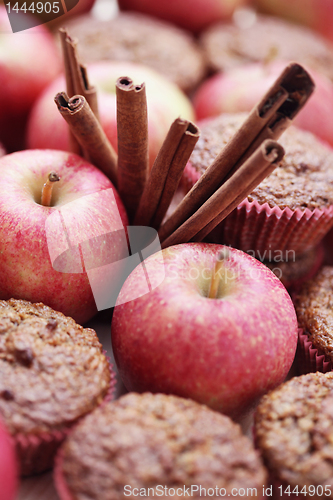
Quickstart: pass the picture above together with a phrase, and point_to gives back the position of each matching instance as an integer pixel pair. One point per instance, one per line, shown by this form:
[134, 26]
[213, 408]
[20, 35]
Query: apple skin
[241, 88]
[224, 352]
[8, 465]
[317, 14]
[193, 15]
[23, 76]
[47, 129]
[26, 270]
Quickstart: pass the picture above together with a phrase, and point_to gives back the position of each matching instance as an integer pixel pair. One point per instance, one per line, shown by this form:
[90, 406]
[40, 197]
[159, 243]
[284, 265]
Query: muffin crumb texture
[138, 38]
[52, 371]
[304, 178]
[230, 45]
[294, 431]
[148, 440]
[313, 306]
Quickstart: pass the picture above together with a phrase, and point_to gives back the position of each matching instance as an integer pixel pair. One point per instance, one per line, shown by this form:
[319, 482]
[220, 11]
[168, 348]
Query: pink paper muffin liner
[309, 359]
[262, 229]
[59, 478]
[36, 452]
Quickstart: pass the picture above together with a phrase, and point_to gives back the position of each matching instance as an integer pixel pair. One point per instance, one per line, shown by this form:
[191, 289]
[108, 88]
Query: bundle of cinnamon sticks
[250, 156]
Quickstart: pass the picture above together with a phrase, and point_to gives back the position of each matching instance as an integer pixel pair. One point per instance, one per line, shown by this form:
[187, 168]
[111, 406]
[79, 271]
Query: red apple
[42, 247]
[8, 466]
[29, 61]
[317, 14]
[47, 129]
[239, 89]
[225, 352]
[194, 15]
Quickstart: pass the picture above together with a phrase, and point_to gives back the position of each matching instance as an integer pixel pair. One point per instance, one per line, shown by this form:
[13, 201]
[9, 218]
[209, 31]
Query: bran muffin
[313, 305]
[155, 441]
[136, 37]
[52, 372]
[292, 209]
[294, 270]
[229, 45]
[294, 432]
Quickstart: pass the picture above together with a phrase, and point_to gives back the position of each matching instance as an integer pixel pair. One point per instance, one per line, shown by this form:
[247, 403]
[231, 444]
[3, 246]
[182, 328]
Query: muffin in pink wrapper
[291, 210]
[298, 269]
[157, 443]
[294, 432]
[313, 305]
[52, 372]
[234, 44]
[310, 359]
[8, 466]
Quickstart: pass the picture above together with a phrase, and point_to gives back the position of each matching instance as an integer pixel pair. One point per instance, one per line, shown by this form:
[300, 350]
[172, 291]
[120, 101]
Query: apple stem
[216, 278]
[48, 188]
[272, 55]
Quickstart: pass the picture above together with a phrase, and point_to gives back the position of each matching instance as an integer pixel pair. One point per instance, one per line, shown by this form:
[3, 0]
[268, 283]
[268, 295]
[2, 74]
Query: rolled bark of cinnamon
[158, 174]
[87, 130]
[240, 197]
[132, 132]
[77, 82]
[226, 198]
[179, 161]
[267, 120]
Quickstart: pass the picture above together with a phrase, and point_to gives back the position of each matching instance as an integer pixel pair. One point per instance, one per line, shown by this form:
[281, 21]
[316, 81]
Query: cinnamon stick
[239, 198]
[132, 132]
[267, 120]
[88, 132]
[158, 174]
[224, 200]
[76, 73]
[77, 82]
[179, 161]
[166, 173]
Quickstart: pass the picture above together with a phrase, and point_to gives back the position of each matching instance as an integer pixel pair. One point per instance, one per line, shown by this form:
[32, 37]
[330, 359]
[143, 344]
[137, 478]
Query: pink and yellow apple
[225, 351]
[239, 89]
[42, 247]
[317, 14]
[194, 15]
[29, 61]
[47, 129]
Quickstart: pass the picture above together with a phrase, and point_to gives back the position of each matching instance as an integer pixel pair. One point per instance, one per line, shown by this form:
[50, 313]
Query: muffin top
[230, 45]
[314, 308]
[142, 39]
[304, 178]
[146, 440]
[294, 430]
[52, 370]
